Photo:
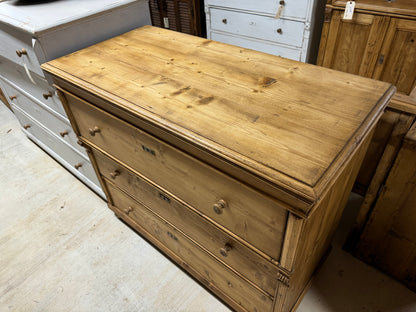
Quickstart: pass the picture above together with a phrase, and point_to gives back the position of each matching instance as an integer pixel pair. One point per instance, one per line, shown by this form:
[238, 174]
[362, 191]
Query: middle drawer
[230, 251]
[254, 217]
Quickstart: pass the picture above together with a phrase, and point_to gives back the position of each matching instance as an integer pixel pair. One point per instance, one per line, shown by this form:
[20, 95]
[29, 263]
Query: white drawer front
[256, 26]
[12, 40]
[44, 116]
[71, 158]
[258, 45]
[17, 75]
[291, 9]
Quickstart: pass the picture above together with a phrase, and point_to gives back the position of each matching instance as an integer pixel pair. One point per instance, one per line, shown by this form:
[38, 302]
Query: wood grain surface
[293, 124]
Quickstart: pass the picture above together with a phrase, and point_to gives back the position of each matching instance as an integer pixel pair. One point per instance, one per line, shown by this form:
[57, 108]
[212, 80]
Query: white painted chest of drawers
[289, 28]
[34, 33]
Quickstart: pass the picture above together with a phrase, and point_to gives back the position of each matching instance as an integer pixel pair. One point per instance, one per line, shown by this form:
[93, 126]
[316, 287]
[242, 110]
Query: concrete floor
[62, 249]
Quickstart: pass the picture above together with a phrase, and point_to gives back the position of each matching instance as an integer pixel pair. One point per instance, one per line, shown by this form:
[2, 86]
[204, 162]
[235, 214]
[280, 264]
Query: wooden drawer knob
[80, 143]
[21, 52]
[225, 250]
[63, 133]
[12, 97]
[219, 206]
[27, 126]
[282, 2]
[114, 174]
[128, 210]
[279, 31]
[94, 130]
[77, 166]
[224, 21]
[47, 95]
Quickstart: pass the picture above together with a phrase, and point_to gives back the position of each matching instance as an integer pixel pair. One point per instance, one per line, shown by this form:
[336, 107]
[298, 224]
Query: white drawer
[256, 26]
[41, 90]
[259, 45]
[12, 40]
[297, 9]
[53, 122]
[63, 153]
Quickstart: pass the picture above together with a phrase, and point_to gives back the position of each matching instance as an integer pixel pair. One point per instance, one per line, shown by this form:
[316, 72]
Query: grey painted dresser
[32, 33]
[289, 28]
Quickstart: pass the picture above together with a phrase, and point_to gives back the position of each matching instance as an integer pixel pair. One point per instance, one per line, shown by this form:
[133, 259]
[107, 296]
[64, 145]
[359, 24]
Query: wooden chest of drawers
[235, 163]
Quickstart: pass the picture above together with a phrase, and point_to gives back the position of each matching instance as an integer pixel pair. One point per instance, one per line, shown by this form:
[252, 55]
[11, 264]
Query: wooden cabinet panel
[352, 45]
[397, 60]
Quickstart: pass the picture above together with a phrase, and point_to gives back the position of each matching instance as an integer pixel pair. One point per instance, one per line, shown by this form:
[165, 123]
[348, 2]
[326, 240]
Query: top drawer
[254, 217]
[291, 8]
[17, 46]
[256, 26]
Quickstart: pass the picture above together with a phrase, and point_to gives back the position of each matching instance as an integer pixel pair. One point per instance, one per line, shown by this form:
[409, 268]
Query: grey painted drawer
[297, 9]
[259, 45]
[58, 149]
[46, 117]
[256, 26]
[16, 74]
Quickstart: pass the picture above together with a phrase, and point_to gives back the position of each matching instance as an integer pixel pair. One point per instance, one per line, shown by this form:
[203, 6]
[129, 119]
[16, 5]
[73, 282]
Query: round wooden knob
[128, 210]
[224, 21]
[21, 52]
[279, 31]
[225, 250]
[47, 95]
[282, 2]
[77, 166]
[219, 206]
[64, 133]
[12, 97]
[114, 174]
[94, 130]
[26, 126]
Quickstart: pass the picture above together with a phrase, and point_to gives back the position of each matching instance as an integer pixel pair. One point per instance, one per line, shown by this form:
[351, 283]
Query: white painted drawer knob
[47, 95]
[219, 206]
[94, 130]
[225, 250]
[21, 52]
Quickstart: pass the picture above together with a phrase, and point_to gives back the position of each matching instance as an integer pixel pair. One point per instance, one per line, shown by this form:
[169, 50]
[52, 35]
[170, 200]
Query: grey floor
[62, 249]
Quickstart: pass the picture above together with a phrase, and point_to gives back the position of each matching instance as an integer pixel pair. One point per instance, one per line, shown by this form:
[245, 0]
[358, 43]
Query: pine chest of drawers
[32, 33]
[235, 163]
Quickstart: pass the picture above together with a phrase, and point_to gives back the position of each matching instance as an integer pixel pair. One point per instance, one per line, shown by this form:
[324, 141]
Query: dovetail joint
[283, 278]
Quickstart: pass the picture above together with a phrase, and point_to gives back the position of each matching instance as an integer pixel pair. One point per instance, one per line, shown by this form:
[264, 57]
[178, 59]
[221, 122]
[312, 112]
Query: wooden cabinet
[33, 33]
[285, 28]
[210, 152]
[185, 16]
[389, 237]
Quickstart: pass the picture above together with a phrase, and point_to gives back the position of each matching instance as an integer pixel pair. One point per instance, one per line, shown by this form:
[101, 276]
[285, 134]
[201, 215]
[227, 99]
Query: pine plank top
[290, 123]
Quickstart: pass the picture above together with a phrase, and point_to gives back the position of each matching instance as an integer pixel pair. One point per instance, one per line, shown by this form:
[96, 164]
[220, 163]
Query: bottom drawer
[209, 271]
[259, 45]
[72, 160]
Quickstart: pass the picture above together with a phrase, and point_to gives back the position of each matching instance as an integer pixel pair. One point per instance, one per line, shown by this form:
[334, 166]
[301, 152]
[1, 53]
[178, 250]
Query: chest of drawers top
[280, 126]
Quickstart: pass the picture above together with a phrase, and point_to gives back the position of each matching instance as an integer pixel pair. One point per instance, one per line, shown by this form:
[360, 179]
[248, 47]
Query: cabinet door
[397, 60]
[352, 46]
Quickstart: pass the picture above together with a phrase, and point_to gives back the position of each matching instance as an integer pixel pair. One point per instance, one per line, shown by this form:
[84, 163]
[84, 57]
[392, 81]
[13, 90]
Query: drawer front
[73, 160]
[14, 41]
[239, 257]
[255, 26]
[259, 45]
[41, 91]
[54, 123]
[291, 9]
[212, 271]
[256, 218]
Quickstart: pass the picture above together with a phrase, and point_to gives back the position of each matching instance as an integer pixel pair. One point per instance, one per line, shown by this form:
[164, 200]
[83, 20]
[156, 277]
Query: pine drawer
[192, 257]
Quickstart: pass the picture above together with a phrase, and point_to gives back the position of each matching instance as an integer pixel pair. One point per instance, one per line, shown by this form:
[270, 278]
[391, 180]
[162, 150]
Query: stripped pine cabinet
[235, 163]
